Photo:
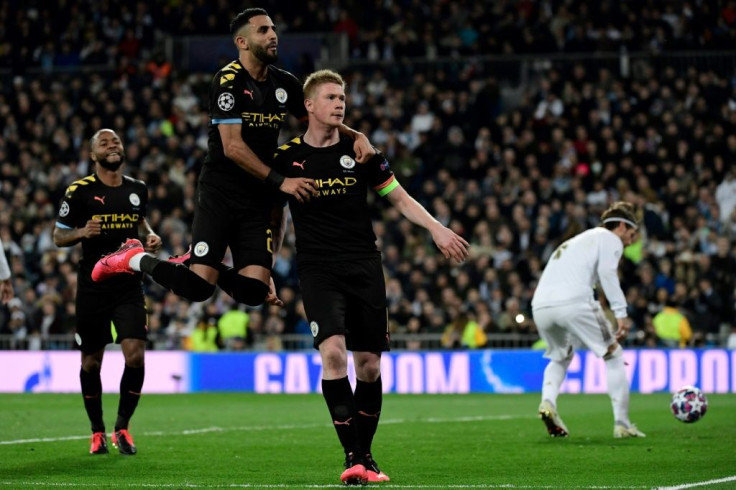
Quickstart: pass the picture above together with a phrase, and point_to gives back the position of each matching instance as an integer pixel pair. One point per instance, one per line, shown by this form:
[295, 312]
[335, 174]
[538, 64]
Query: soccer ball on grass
[689, 404]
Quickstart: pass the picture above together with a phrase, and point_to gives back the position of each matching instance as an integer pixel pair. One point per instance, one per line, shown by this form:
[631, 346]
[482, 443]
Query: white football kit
[563, 304]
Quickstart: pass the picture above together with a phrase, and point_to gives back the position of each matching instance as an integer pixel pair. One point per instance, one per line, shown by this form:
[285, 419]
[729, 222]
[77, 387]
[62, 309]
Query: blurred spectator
[204, 337]
[17, 324]
[159, 69]
[672, 327]
[707, 305]
[413, 334]
[512, 319]
[233, 328]
[464, 332]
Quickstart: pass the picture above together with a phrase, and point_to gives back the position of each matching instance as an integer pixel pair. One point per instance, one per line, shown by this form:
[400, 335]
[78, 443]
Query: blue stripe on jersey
[227, 121]
[63, 227]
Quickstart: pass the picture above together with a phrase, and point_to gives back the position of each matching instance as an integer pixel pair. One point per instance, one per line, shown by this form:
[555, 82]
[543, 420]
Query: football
[689, 404]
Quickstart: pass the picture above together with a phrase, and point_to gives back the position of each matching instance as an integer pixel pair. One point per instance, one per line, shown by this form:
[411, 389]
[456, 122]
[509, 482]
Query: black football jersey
[120, 209]
[336, 225]
[261, 108]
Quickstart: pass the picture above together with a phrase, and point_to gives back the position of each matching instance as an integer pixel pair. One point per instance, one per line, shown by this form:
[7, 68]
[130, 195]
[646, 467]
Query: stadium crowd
[515, 179]
[81, 32]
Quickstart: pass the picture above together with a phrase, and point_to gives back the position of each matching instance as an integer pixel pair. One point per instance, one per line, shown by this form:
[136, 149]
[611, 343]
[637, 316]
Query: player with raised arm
[339, 265]
[249, 102]
[564, 306]
[100, 211]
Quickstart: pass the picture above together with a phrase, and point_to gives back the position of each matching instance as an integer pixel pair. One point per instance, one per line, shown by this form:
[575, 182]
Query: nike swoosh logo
[374, 415]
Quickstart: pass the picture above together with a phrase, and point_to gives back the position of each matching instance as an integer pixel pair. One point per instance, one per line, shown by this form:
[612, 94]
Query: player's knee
[197, 289]
[91, 366]
[334, 357]
[334, 364]
[369, 372]
[134, 351]
[614, 352]
[367, 366]
[249, 291]
[134, 359]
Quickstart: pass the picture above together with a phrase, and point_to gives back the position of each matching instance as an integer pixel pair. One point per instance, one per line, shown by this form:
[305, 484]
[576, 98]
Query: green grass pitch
[234, 440]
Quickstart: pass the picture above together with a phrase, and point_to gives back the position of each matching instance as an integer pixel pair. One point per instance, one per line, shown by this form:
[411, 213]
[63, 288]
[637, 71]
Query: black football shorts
[98, 313]
[346, 298]
[221, 222]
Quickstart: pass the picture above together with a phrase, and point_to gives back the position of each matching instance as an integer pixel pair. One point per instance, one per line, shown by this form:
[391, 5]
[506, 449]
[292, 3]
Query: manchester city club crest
[201, 249]
[347, 162]
[281, 95]
[134, 199]
[314, 327]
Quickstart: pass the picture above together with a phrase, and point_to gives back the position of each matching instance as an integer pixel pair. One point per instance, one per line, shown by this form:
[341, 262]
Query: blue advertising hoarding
[481, 371]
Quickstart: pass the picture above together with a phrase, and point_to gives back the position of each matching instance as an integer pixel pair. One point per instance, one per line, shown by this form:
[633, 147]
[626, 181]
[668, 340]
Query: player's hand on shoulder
[452, 245]
[153, 243]
[93, 228]
[363, 149]
[301, 188]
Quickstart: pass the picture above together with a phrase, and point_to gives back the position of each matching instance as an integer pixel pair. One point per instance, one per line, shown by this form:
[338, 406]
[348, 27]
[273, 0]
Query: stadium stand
[514, 122]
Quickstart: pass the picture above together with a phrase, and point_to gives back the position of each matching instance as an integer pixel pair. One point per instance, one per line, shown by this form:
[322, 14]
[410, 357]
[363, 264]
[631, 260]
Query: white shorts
[563, 327]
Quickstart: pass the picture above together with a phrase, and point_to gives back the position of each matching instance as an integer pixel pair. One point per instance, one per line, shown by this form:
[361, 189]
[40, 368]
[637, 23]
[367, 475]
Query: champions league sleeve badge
[226, 101]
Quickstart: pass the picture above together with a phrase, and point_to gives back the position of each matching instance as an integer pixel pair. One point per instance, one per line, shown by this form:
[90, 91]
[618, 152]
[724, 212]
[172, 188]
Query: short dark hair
[243, 18]
[620, 211]
[96, 136]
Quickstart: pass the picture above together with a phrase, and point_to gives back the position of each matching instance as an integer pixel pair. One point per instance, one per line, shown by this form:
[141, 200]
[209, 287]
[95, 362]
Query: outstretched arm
[452, 245]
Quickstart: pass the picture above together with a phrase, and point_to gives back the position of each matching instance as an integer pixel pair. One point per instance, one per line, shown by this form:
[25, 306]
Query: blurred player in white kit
[564, 309]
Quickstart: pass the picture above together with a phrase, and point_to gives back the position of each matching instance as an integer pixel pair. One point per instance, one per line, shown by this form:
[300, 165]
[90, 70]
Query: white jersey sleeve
[4, 267]
[577, 266]
[609, 255]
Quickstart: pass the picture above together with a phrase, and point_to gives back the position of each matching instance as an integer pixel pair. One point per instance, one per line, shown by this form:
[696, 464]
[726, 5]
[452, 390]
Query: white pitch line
[699, 483]
[254, 485]
[260, 428]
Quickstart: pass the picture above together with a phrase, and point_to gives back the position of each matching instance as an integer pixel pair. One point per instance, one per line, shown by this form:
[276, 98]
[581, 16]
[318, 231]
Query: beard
[112, 166]
[263, 55]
